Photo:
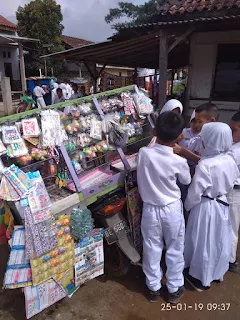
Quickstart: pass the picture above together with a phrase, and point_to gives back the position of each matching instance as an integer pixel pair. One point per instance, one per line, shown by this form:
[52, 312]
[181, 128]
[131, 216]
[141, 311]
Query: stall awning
[141, 51]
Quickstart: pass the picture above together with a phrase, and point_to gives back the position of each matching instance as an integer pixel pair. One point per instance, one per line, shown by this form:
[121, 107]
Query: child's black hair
[236, 117]
[210, 108]
[169, 126]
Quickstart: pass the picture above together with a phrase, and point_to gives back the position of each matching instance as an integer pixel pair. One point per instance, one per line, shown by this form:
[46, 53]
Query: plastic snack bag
[96, 129]
[143, 103]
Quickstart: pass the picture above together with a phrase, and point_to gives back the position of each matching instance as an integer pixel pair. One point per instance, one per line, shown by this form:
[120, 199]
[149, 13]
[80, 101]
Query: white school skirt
[208, 241]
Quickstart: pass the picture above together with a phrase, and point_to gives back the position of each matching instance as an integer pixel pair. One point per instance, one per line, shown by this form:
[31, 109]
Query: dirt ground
[124, 299]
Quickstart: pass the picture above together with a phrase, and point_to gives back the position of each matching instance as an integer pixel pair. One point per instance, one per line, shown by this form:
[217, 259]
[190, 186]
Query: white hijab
[217, 138]
[172, 104]
[193, 115]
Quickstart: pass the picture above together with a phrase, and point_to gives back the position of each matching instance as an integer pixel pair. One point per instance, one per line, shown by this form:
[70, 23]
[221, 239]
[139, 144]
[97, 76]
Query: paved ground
[109, 299]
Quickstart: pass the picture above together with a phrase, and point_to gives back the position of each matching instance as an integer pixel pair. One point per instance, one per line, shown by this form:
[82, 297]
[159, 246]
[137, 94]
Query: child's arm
[200, 182]
[184, 176]
[183, 152]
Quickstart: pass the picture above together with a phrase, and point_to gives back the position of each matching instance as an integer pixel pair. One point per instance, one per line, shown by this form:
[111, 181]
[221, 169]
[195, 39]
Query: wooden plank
[181, 38]
[163, 63]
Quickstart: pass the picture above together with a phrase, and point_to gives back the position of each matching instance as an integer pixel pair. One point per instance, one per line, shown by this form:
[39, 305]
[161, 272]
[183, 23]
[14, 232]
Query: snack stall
[54, 163]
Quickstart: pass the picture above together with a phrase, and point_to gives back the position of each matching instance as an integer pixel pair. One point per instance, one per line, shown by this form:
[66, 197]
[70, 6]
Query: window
[9, 54]
[4, 54]
[226, 84]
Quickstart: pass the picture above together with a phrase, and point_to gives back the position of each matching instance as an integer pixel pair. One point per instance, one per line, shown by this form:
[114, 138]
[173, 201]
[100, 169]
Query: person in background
[38, 92]
[69, 90]
[83, 91]
[62, 86]
[189, 133]
[234, 195]
[205, 113]
[54, 90]
[208, 233]
[59, 96]
[158, 170]
[76, 93]
[173, 105]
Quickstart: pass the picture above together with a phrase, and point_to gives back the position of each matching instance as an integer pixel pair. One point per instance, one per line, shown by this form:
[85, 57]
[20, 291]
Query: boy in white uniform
[157, 174]
[39, 93]
[234, 195]
[208, 233]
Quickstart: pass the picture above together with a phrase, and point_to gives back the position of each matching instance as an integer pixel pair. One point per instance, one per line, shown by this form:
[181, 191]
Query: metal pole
[22, 67]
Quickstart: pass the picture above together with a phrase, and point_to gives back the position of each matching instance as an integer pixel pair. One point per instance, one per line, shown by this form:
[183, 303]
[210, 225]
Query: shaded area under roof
[141, 51]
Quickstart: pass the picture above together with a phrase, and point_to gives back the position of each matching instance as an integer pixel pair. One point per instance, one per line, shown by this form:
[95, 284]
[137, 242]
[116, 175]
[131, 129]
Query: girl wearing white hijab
[173, 105]
[208, 233]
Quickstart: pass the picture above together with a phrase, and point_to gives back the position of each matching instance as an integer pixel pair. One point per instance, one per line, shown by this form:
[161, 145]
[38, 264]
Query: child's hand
[180, 138]
[177, 149]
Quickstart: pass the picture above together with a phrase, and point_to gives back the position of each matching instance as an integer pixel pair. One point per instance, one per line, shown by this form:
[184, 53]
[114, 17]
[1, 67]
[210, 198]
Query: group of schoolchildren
[199, 165]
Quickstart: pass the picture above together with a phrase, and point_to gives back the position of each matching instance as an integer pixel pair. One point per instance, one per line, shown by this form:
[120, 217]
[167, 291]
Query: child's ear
[154, 132]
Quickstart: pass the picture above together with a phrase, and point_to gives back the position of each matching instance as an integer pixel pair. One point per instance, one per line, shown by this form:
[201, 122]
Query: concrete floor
[124, 299]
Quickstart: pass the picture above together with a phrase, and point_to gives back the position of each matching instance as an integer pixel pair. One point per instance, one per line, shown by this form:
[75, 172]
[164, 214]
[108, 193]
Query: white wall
[14, 60]
[203, 54]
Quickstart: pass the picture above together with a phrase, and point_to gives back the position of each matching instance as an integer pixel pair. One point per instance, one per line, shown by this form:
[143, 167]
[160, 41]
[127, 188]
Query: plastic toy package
[30, 127]
[18, 272]
[58, 260]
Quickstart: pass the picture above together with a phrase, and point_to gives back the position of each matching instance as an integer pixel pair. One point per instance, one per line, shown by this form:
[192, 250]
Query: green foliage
[133, 14]
[41, 19]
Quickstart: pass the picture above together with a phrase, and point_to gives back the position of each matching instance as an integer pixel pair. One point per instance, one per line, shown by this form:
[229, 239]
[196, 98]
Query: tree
[133, 14]
[41, 19]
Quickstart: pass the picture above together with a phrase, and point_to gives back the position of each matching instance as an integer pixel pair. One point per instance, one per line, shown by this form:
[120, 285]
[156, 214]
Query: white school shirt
[69, 91]
[38, 92]
[188, 135]
[214, 177]
[236, 153]
[195, 145]
[157, 173]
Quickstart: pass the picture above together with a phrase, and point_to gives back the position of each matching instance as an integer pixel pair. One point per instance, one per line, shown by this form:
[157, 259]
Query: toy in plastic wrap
[30, 127]
[40, 297]
[6, 223]
[10, 134]
[18, 272]
[58, 260]
[143, 103]
[81, 223]
[89, 257]
[39, 154]
[17, 149]
[52, 134]
[24, 160]
[129, 105]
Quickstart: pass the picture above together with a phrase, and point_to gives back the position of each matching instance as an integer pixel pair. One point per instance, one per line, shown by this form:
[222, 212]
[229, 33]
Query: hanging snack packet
[143, 103]
[96, 129]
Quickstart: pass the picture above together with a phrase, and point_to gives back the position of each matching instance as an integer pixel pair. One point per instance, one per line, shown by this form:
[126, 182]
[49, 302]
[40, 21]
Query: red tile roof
[74, 42]
[6, 24]
[193, 6]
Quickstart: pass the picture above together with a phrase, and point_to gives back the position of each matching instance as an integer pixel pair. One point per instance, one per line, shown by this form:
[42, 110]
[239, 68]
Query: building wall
[203, 54]
[13, 60]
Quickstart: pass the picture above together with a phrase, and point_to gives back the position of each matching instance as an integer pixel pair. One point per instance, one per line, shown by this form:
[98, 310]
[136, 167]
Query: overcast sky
[81, 18]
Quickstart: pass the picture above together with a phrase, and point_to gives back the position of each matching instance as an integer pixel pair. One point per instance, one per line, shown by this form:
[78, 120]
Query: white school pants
[161, 224]
[40, 102]
[234, 208]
